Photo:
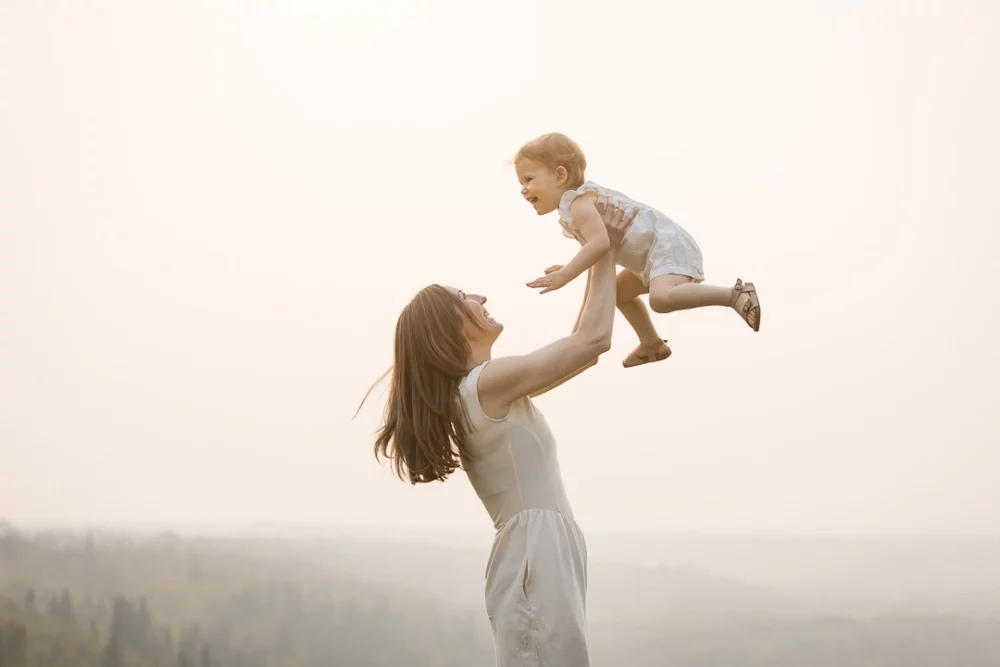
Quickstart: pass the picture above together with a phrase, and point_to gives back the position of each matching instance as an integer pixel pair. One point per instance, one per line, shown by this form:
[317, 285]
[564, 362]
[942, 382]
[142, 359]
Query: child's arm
[595, 236]
[596, 243]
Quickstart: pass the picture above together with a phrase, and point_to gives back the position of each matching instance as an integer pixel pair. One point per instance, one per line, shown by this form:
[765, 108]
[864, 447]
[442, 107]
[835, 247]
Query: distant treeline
[70, 601]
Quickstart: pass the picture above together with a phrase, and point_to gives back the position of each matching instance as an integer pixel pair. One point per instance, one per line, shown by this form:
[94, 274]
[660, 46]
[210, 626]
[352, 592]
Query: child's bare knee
[660, 302]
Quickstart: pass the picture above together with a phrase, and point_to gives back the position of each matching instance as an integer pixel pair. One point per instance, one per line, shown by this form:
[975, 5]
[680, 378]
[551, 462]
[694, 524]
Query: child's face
[541, 186]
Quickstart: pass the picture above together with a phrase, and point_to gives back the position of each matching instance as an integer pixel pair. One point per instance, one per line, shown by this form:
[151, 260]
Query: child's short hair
[556, 150]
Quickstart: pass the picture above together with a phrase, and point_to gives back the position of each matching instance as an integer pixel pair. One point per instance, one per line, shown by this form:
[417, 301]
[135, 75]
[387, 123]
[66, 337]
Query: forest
[111, 600]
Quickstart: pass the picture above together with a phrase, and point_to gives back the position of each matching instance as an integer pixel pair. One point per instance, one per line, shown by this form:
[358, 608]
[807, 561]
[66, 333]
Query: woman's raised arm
[508, 379]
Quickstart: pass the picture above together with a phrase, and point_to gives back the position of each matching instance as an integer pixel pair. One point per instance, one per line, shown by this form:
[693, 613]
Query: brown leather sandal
[634, 359]
[751, 309]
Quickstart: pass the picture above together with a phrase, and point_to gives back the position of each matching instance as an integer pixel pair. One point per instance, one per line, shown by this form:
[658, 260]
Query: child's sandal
[751, 308]
[633, 359]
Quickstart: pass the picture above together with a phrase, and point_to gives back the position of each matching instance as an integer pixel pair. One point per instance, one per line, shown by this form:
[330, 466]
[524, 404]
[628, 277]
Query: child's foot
[745, 303]
[647, 354]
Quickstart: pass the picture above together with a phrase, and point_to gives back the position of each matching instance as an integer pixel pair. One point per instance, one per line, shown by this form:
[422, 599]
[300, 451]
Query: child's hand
[553, 279]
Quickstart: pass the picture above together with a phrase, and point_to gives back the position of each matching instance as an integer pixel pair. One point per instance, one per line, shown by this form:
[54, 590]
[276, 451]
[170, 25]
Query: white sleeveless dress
[536, 577]
[654, 245]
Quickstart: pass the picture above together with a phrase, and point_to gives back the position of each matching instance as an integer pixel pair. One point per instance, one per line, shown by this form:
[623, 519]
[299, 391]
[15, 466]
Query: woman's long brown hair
[425, 425]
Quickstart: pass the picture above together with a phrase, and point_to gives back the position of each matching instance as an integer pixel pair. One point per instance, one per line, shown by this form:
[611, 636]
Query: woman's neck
[479, 352]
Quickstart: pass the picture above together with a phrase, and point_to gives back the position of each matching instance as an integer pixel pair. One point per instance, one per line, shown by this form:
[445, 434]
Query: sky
[211, 214]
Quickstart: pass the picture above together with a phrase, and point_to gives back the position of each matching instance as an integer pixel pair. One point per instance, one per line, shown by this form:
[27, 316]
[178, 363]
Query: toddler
[660, 257]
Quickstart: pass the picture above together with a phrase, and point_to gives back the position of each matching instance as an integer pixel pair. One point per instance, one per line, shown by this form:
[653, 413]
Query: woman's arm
[508, 379]
[605, 220]
[576, 326]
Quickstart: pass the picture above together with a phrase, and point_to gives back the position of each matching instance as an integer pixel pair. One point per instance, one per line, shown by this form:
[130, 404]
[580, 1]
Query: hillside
[167, 602]
[106, 600]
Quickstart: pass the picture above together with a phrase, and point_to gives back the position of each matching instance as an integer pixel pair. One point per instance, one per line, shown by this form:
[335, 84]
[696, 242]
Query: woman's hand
[615, 218]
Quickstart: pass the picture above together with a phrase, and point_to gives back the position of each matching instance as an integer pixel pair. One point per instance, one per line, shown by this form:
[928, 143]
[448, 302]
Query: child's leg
[651, 346]
[671, 292]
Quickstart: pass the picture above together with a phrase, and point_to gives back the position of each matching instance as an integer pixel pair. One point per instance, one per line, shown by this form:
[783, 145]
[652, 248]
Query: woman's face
[484, 327]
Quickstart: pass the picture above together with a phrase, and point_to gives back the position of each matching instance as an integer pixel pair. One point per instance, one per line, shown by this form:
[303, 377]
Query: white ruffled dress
[654, 245]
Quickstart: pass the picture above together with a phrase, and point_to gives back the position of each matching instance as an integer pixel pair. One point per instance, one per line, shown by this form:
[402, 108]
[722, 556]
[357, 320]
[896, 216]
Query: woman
[452, 405]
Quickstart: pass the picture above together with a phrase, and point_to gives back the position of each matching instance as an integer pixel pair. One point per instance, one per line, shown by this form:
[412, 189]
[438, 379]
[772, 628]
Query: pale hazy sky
[211, 214]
